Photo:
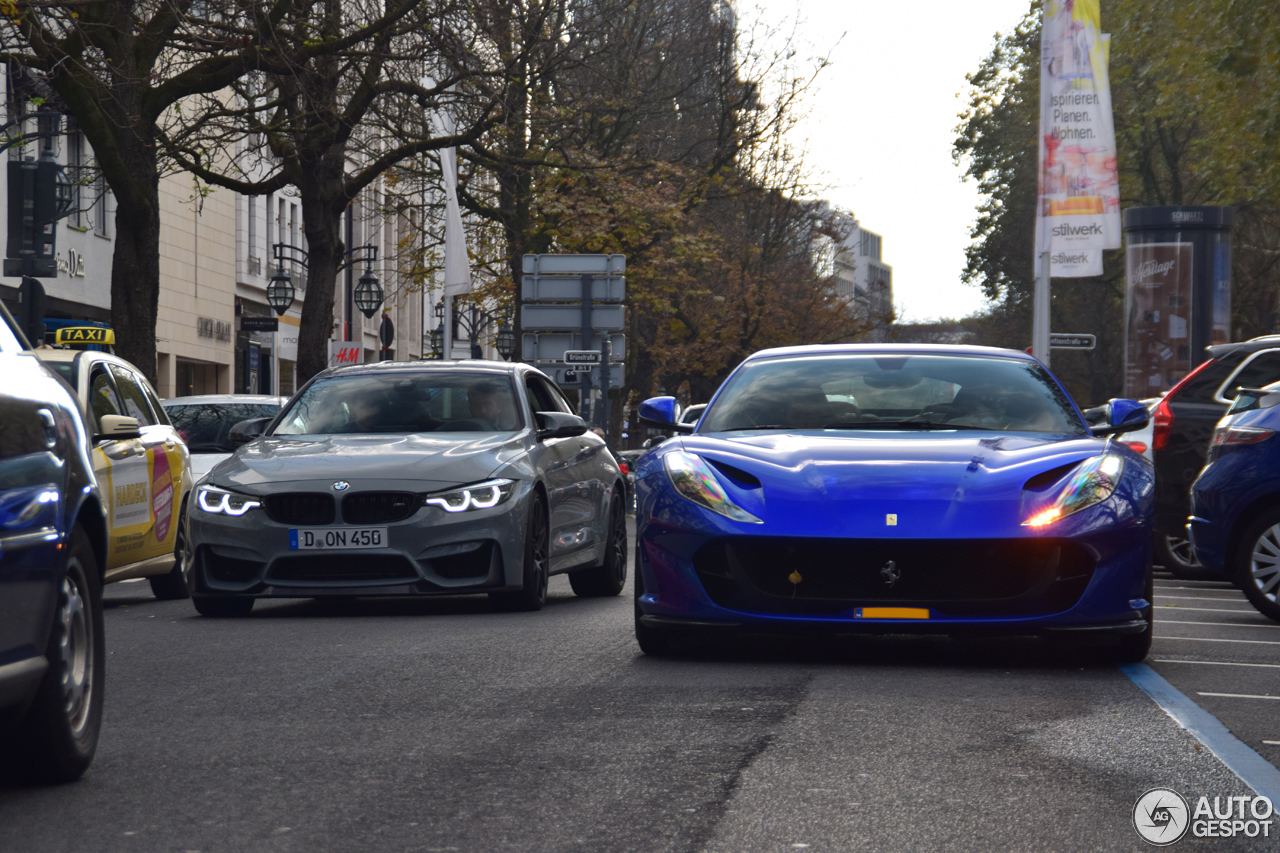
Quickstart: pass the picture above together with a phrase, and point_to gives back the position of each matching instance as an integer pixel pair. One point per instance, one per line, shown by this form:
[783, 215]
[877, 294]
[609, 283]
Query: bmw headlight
[484, 495]
[221, 502]
[694, 480]
[1091, 483]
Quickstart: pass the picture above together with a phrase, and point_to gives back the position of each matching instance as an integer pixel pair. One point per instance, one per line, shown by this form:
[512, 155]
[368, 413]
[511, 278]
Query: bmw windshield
[893, 391]
[404, 402]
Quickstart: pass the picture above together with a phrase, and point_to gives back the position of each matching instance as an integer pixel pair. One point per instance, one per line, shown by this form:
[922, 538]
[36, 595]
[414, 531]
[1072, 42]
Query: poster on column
[1078, 210]
[1157, 317]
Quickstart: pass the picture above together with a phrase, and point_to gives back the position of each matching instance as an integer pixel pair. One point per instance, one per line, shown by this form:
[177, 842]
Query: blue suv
[52, 544]
[1235, 502]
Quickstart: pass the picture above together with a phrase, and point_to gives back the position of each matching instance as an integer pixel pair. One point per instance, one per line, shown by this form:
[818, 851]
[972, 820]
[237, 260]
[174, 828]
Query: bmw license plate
[337, 538]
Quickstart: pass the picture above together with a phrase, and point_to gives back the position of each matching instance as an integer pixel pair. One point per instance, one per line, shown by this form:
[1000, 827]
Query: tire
[60, 731]
[537, 564]
[610, 576]
[1089, 647]
[222, 607]
[1176, 555]
[1134, 648]
[173, 586]
[656, 642]
[1256, 564]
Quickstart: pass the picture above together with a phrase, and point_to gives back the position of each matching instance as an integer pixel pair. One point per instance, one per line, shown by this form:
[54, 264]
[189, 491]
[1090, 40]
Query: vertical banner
[1078, 210]
[1158, 317]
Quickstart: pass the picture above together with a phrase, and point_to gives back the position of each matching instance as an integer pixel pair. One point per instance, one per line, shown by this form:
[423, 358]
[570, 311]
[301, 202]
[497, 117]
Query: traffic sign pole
[584, 403]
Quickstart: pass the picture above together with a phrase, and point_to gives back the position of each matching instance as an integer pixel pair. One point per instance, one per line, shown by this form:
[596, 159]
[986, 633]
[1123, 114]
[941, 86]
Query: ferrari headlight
[484, 495]
[694, 480]
[222, 502]
[1091, 483]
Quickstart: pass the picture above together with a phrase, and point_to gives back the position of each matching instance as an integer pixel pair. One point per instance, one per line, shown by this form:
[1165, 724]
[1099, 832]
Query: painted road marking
[1254, 770]
[1204, 609]
[1218, 663]
[1216, 640]
[1237, 695]
[1223, 624]
[1240, 598]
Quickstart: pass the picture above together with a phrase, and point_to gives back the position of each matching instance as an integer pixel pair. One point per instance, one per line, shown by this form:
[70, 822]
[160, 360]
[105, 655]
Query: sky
[882, 121]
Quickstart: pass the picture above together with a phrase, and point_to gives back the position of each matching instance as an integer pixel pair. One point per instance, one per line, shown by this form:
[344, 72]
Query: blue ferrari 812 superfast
[895, 489]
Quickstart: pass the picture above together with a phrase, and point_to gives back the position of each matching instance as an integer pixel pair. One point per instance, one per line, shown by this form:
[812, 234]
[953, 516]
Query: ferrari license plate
[337, 538]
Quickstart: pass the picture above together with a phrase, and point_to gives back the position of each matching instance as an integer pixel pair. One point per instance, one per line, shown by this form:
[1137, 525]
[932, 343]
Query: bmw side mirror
[117, 428]
[663, 412]
[1123, 416]
[246, 431]
[558, 425]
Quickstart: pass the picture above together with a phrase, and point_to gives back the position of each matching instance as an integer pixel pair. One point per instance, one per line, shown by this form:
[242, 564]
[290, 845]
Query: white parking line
[1217, 663]
[1237, 695]
[1224, 587]
[1223, 624]
[1239, 597]
[1215, 640]
[1204, 609]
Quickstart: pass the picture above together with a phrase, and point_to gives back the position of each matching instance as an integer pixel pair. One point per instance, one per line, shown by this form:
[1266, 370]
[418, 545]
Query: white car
[205, 423]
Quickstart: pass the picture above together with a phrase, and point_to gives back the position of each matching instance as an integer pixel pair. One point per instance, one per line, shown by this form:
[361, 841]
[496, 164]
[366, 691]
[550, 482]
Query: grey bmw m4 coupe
[422, 478]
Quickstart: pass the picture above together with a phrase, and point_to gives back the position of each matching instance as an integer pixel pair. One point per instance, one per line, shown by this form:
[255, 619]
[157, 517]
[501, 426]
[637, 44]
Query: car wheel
[1176, 554]
[537, 564]
[173, 586]
[610, 576]
[60, 731]
[1257, 564]
[1134, 648]
[222, 607]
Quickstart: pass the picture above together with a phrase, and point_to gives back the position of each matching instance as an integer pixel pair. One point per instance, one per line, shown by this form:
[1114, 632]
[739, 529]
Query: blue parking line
[1254, 770]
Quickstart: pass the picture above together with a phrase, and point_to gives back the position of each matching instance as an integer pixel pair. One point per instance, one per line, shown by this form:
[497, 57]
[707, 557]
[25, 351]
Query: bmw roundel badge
[341, 486]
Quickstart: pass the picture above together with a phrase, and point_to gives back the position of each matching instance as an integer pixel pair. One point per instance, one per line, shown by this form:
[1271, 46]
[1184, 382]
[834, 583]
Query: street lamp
[437, 340]
[280, 292]
[368, 295]
[506, 342]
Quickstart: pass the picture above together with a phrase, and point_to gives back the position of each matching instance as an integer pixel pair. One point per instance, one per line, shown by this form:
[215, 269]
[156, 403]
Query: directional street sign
[582, 356]
[1065, 341]
[564, 375]
[578, 264]
[568, 318]
[568, 288]
[551, 346]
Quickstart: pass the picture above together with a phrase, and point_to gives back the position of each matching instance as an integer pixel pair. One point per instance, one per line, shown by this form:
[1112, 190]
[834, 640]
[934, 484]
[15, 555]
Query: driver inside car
[486, 402]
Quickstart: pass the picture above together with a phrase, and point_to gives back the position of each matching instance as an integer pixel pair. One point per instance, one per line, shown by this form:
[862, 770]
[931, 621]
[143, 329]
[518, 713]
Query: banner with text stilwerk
[1078, 209]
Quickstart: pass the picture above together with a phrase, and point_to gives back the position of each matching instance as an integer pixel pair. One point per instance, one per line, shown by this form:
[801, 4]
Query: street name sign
[582, 356]
[568, 318]
[552, 346]
[576, 264]
[568, 288]
[1065, 341]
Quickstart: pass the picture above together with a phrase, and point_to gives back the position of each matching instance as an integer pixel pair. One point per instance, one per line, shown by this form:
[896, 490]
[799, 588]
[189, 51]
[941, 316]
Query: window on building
[102, 208]
[76, 173]
[252, 236]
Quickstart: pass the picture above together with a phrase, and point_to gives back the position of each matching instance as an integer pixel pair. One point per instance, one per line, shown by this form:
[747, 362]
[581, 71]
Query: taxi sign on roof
[85, 335]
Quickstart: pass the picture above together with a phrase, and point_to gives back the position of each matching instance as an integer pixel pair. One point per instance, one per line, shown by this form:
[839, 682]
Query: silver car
[421, 478]
[205, 423]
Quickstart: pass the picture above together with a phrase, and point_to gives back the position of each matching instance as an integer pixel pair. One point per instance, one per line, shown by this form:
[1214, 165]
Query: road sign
[551, 346]
[582, 356]
[568, 318]
[580, 264]
[563, 375]
[1065, 341]
[568, 288]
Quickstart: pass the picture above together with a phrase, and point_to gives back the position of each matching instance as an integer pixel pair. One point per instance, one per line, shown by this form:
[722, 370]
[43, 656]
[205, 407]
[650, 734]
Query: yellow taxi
[142, 465]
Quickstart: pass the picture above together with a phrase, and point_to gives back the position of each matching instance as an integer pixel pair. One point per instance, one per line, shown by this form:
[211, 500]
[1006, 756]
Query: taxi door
[165, 458]
[123, 474]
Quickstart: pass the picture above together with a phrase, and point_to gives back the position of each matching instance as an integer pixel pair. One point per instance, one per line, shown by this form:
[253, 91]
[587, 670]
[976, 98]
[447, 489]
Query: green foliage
[1196, 99]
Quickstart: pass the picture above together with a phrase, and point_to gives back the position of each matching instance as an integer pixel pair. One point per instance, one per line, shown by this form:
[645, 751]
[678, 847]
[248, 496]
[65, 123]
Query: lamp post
[368, 294]
[476, 320]
[437, 340]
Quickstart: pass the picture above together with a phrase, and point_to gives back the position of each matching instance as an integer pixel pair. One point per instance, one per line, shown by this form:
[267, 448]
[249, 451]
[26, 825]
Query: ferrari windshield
[404, 402]
[892, 391]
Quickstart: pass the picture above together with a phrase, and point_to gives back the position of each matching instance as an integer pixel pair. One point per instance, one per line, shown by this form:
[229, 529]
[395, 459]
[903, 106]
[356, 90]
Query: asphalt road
[437, 725]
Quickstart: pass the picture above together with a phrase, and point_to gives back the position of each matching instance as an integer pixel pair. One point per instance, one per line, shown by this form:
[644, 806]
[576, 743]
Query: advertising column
[1177, 292]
